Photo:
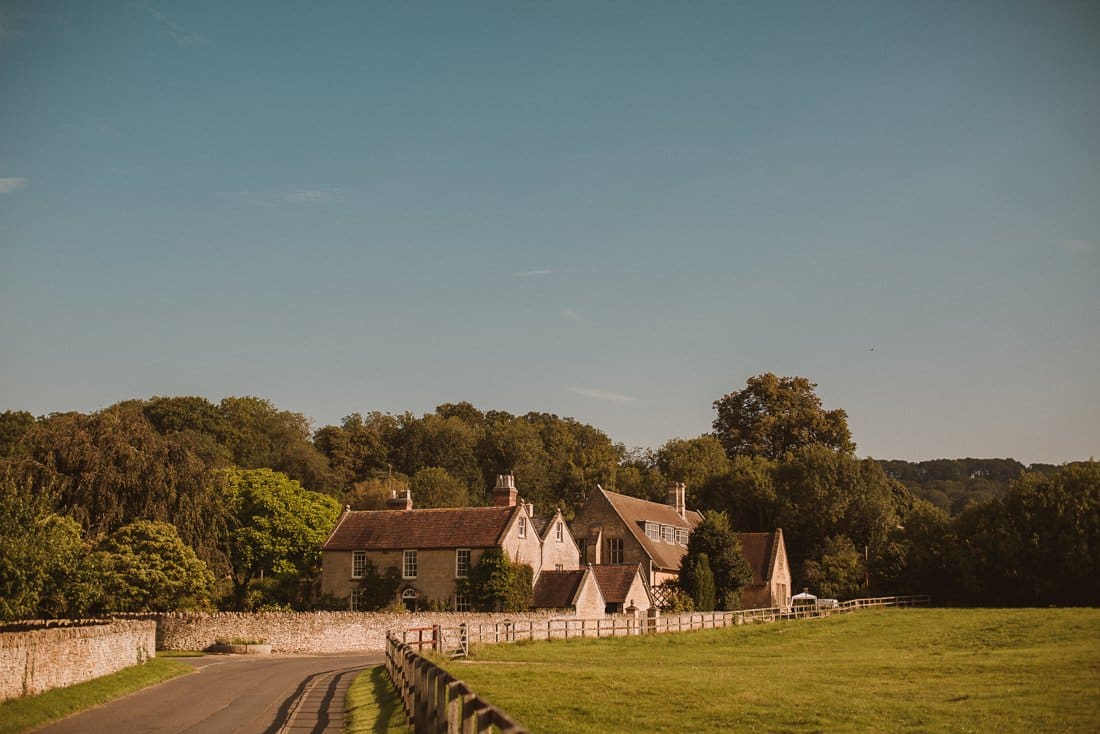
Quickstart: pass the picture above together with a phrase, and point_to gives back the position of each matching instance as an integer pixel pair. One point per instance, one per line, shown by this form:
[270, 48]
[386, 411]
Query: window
[462, 603]
[681, 536]
[462, 563]
[522, 531]
[408, 566]
[614, 550]
[354, 601]
[559, 567]
[409, 596]
[668, 534]
[653, 531]
[558, 533]
[358, 564]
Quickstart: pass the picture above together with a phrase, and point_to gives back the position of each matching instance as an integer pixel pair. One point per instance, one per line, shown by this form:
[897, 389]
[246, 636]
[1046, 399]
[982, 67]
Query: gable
[452, 527]
[615, 581]
[556, 589]
[635, 512]
[759, 550]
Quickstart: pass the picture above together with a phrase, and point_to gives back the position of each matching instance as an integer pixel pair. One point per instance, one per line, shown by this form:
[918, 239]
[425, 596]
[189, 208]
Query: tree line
[238, 495]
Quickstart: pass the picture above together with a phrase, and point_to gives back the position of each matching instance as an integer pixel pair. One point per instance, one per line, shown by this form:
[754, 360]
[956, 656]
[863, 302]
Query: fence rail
[435, 701]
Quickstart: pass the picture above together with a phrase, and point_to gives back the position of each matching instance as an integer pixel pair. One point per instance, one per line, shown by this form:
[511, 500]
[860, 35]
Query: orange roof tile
[451, 527]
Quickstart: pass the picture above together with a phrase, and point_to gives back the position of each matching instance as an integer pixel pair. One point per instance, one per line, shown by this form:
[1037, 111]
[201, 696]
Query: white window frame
[358, 564]
[408, 562]
[462, 570]
[559, 533]
[521, 531]
[652, 530]
[462, 603]
[682, 536]
[668, 534]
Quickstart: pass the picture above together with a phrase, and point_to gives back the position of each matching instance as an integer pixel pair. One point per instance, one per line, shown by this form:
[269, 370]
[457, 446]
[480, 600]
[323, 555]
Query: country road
[233, 694]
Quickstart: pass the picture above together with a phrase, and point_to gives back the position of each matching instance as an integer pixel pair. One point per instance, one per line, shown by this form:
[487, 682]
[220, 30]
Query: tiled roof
[759, 549]
[555, 589]
[451, 527]
[615, 581]
[635, 512]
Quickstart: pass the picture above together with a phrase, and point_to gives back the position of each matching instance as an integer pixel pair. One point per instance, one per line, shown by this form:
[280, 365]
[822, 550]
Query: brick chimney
[402, 502]
[504, 494]
[677, 498]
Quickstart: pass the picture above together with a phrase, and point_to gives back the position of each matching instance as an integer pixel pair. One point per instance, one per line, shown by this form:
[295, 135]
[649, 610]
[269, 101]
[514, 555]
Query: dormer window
[652, 530]
[668, 534]
[682, 536]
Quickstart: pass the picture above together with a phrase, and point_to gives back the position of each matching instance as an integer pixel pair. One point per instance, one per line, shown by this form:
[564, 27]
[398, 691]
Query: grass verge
[180, 654]
[372, 704]
[1011, 670]
[24, 714]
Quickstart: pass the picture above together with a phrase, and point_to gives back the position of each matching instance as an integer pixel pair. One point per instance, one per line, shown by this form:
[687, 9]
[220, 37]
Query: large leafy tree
[693, 461]
[275, 528]
[496, 584]
[837, 571]
[434, 487]
[42, 556]
[725, 558]
[773, 416]
[145, 567]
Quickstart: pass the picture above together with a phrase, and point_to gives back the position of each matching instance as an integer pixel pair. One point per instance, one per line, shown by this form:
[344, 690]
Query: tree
[693, 461]
[773, 416]
[838, 571]
[147, 568]
[703, 593]
[275, 528]
[42, 556]
[434, 487]
[496, 584]
[715, 539]
[746, 492]
[378, 590]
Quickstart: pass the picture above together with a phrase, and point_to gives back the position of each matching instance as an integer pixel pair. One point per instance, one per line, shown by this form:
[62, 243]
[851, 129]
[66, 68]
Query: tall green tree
[276, 528]
[145, 567]
[693, 461]
[496, 584]
[703, 591]
[837, 571]
[773, 416]
[434, 487]
[715, 539]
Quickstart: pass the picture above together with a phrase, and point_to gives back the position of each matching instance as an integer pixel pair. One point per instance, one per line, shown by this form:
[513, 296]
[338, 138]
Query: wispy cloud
[8, 185]
[182, 36]
[1076, 246]
[296, 197]
[604, 395]
[571, 314]
[533, 273]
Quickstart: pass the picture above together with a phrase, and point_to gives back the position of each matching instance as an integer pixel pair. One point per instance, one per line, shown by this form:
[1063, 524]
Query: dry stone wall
[35, 661]
[314, 632]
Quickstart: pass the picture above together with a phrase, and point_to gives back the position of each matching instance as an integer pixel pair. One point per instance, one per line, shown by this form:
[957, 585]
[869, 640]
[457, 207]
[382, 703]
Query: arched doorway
[409, 597]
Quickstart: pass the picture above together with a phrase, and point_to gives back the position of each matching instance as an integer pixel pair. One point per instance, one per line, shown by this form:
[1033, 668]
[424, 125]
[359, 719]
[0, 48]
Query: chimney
[530, 509]
[404, 502]
[504, 494]
[677, 498]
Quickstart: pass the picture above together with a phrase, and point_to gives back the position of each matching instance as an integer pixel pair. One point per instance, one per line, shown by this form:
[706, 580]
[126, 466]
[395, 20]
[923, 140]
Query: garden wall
[314, 632]
[37, 660]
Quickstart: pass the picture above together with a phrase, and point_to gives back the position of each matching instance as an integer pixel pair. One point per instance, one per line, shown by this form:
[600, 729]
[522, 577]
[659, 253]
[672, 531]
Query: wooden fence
[435, 701]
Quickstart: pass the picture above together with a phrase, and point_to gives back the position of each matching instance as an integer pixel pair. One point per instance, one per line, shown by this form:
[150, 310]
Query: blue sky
[612, 211]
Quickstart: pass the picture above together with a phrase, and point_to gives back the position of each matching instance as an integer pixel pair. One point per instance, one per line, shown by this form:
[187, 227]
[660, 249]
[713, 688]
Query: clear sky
[612, 211]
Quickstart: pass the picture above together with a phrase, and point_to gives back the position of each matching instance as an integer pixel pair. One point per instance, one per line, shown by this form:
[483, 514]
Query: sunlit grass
[372, 704]
[25, 714]
[885, 670]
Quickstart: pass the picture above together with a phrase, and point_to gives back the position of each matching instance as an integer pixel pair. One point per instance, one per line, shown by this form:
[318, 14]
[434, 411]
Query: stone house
[434, 549]
[771, 572]
[593, 591]
[615, 529]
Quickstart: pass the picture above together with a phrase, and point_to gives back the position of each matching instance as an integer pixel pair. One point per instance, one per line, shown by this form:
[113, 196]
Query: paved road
[233, 694]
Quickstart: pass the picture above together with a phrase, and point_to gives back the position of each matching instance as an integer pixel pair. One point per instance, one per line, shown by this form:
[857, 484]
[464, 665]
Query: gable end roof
[451, 527]
[634, 512]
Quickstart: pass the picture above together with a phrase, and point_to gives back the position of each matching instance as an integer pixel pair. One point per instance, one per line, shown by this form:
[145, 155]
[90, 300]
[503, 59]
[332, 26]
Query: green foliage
[42, 557]
[496, 584]
[145, 567]
[695, 462]
[276, 527]
[434, 487]
[725, 559]
[13, 425]
[675, 598]
[773, 416]
[373, 705]
[378, 589]
[703, 592]
[838, 571]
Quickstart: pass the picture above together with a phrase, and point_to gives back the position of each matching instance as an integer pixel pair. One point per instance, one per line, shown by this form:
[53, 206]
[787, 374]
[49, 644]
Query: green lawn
[25, 714]
[956, 670]
[372, 704]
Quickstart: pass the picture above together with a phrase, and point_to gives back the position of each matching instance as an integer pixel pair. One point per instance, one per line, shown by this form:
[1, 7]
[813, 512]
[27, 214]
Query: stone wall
[314, 632]
[35, 661]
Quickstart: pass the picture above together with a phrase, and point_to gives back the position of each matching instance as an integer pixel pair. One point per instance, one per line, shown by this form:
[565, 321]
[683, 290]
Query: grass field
[372, 704]
[1024, 670]
[25, 714]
